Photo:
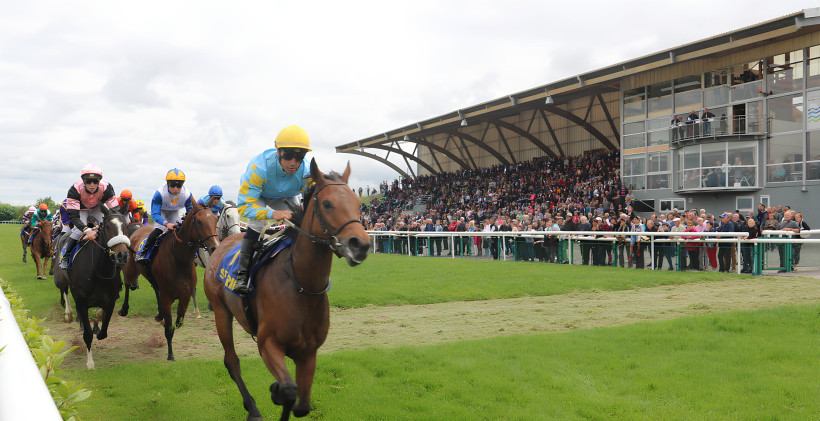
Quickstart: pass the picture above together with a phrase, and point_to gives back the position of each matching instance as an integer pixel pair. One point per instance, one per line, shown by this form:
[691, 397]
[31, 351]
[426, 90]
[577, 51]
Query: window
[634, 104]
[813, 156]
[744, 204]
[687, 94]
[658, 170]
[716, 165]
[785, 72]
[785, 158]
[786, 113]
[659, 100]
[765, 200]
[667, 205]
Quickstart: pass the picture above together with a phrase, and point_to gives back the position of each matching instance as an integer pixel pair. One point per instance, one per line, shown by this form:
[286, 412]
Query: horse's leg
[283, 391]
[82, 312]
[124, 309]
[224, 328]
[305, 370]
[50, 265]
[197, 315]
[69, 312]
[165, 313]
[108, 310]
[23, 238]
[36, 258]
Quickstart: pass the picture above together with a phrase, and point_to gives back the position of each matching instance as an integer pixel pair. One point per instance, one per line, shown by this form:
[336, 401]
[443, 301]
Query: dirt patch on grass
[136, 339]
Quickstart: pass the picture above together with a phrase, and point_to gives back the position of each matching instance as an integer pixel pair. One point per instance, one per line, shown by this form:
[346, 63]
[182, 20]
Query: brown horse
[172, 273]
[41, 248]
[290, 302]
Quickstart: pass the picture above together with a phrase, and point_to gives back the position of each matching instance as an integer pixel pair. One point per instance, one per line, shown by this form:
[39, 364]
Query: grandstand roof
[548, 99]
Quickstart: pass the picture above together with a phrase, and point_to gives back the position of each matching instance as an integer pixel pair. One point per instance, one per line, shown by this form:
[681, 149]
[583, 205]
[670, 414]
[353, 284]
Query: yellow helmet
[175, 175]
[140, 204]
[293, 137]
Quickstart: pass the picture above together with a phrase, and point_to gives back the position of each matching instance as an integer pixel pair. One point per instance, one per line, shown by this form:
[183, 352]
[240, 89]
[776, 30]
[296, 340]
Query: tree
[47, 200]
[10, 212]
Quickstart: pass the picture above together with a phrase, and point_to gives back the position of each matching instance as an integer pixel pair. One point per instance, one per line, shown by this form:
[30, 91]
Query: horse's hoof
[67, 318]
[102, 335]
[122, 312]
[300, 412]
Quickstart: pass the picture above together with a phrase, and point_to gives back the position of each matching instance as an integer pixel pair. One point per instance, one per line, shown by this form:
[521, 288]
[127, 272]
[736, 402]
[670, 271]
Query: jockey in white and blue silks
[271, 179]
[168, 206]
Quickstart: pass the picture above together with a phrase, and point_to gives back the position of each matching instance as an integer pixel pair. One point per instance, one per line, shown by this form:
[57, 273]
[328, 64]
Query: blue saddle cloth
[33, 232]
[229, 265]
[73, 253]
[153, 252]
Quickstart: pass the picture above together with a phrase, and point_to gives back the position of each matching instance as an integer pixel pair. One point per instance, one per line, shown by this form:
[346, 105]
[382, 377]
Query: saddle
[153, 251]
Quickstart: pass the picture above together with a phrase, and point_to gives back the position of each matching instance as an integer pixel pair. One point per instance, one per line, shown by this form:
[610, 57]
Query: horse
[172, 273]
[227, 224]
[290, 303]
[41, 248]
[94, 278]
[24, 236]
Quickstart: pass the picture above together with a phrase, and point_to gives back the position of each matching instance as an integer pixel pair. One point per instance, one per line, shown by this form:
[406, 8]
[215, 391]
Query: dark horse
[41, 248]
[94, 277]
[290, 302]
[24, 235]
[172, 273]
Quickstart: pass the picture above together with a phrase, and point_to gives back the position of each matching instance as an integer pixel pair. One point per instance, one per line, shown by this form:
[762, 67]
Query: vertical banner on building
[813, 110]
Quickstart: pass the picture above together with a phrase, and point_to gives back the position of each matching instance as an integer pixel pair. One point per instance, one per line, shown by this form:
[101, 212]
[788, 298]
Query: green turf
[738, 365]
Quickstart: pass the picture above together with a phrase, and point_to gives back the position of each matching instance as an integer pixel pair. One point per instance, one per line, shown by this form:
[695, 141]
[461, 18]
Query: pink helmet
[32, 209]
[90, 169]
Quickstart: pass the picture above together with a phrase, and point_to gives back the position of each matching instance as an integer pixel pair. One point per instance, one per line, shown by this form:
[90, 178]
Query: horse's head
[199, 228]
[46, 230]
[228, 224]
[112, 232]
[335, 215]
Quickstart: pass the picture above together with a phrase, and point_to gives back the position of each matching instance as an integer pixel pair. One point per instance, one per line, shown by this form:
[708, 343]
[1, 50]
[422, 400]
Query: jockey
[84, 199]
[42, 214]
[27, 219]
[271, 179]
[128, 205]
[143, 217]
[213, 200]
[167, 207]
[62, 218]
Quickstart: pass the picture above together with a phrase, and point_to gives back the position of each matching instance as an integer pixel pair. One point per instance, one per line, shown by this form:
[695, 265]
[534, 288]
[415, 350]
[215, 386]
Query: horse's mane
[230, 202]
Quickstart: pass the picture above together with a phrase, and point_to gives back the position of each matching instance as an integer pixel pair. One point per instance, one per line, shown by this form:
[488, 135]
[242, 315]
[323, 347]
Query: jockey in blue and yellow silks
[169, 204]
[271, 179]
[213, 201]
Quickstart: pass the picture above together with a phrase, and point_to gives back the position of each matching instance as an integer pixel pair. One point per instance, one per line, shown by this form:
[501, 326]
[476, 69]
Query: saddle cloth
[152, 253]
[229, 265]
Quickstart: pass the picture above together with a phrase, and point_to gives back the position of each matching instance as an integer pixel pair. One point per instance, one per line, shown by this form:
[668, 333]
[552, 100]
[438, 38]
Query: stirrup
[243, 288]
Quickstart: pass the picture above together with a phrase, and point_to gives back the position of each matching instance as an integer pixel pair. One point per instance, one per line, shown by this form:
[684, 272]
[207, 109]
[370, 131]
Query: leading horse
[290, 303]
[94, 277]
[172, 273]
[41, 248]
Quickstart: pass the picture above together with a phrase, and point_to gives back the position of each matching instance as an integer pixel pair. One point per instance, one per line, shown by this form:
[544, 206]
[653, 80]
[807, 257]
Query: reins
[330, 241]
[200, 243]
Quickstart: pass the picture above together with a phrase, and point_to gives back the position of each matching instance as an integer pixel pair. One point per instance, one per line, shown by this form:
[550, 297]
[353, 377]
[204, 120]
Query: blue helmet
[215, 191]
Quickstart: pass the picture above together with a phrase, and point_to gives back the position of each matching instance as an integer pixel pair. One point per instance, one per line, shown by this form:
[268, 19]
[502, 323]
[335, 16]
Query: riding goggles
[293, 153]
[90, 180]
[175, 184]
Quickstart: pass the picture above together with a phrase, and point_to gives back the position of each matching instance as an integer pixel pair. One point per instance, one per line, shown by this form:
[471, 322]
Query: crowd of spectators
[582, 193]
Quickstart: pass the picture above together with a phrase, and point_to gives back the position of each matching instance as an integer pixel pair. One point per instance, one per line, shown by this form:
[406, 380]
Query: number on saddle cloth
[229, 266]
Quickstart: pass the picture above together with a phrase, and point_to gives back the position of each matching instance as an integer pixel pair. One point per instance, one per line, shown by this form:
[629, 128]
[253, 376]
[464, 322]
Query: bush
[48, 355]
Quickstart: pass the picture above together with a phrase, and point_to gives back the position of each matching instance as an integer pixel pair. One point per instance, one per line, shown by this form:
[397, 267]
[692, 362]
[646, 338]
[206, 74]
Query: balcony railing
[714, 127]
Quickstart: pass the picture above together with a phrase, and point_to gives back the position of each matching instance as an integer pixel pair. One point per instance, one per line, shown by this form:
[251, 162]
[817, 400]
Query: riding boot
[69, 245]
[245, 253]
[142, 257]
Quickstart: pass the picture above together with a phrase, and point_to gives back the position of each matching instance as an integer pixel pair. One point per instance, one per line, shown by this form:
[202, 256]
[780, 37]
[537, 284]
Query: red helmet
[91, 169]
[126, 194]
[43, 206]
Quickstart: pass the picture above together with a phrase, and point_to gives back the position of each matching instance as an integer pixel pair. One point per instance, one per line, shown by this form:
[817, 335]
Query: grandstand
[748, 103]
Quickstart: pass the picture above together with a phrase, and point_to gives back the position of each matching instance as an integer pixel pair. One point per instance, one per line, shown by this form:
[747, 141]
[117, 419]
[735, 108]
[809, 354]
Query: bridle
[198, 243]
[224, 216]
[330, 240]
[103, 237]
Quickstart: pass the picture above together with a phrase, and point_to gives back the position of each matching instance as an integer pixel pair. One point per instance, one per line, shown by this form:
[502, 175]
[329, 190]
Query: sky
[139, 88]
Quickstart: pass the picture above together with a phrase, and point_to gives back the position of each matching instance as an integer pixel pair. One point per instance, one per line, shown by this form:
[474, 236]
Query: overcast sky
[141, 87]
